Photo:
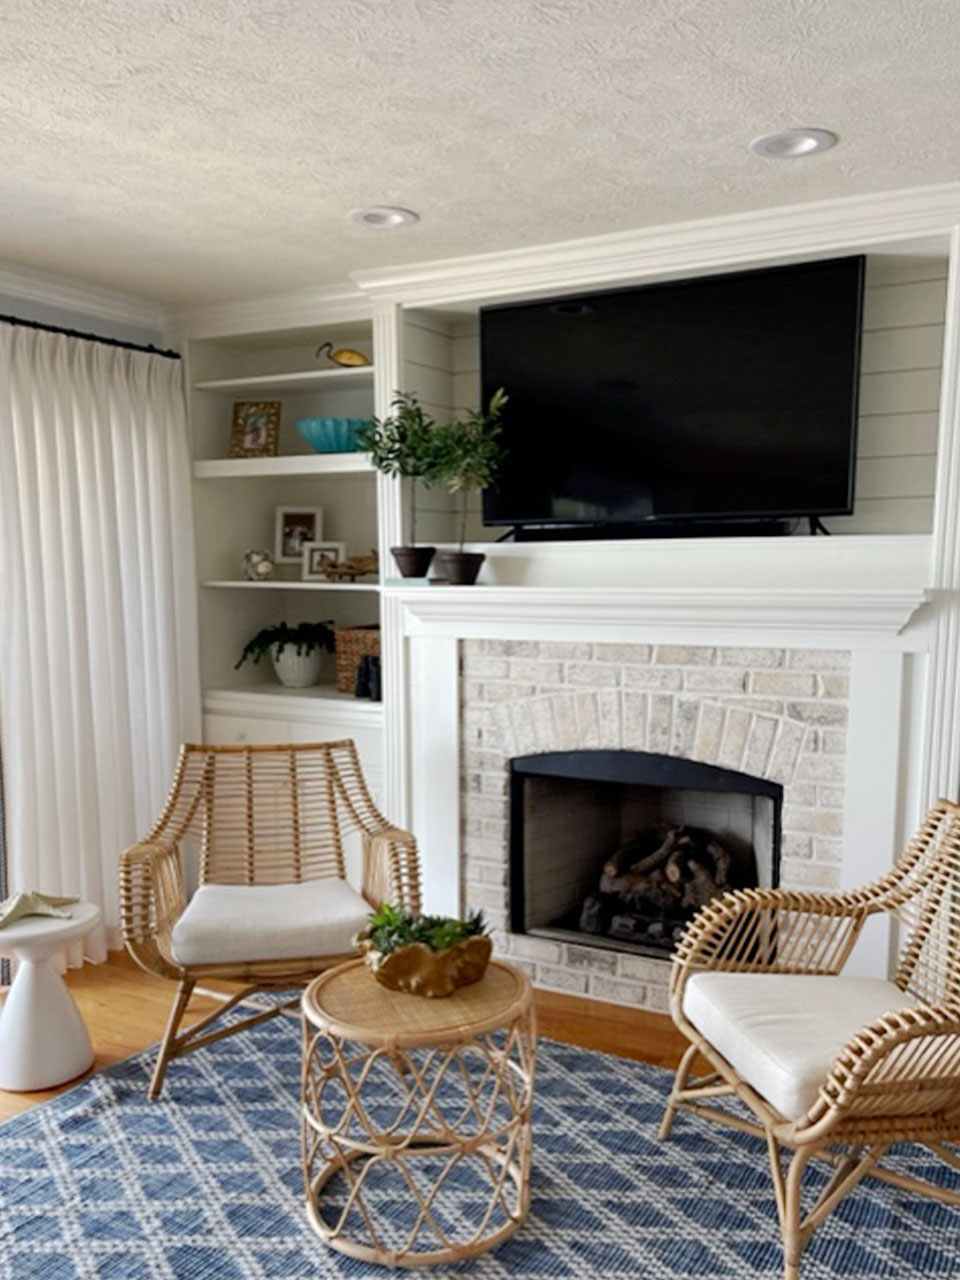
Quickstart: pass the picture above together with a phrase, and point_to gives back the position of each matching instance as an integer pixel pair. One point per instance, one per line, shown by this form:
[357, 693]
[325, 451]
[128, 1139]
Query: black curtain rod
[92, 337]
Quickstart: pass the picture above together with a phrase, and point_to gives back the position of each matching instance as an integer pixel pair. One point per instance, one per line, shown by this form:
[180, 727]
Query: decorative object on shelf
[401, 445]
[258, 565]
[466, 456]
[424, 955]
[352, 644]
[352, 568]
[318, 558]
[295, 527]
[347, 357]
[295, 652]
[256, 429]
[332, 435]
[369, 680]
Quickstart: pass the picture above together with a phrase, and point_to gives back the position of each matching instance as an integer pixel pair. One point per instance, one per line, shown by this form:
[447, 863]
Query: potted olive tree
[294, 651]
[401, 445]
[466, 457]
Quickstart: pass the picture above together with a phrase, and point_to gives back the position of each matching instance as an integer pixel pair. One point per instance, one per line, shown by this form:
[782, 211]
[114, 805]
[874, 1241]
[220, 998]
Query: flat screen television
[728, 398]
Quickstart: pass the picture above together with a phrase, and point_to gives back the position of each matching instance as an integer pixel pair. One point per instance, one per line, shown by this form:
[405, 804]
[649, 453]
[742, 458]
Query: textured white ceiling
[197, 150]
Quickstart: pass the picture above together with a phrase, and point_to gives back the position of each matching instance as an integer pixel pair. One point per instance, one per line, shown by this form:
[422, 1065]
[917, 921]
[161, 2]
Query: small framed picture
[296, 526]
[256, 429]
[319, 558]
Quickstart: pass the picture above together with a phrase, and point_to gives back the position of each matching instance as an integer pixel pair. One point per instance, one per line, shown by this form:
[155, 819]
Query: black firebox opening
[620, 849]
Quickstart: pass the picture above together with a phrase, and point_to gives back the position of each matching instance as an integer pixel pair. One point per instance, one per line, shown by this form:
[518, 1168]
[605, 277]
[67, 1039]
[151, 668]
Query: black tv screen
[730, 397]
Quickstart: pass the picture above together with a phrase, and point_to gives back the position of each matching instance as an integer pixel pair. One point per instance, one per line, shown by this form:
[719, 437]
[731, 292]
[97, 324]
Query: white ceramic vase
[296, 670]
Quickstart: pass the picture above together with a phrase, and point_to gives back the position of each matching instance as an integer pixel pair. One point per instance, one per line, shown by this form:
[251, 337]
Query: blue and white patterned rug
[206, 1184]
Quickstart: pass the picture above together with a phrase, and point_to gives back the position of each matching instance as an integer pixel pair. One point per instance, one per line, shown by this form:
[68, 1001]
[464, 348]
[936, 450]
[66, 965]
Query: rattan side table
[416, 1115]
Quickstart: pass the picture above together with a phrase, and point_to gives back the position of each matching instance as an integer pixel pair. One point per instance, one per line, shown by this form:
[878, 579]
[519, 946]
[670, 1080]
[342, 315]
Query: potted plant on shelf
[401, 445]
[424, 955]
[294, 651]
[467, 454]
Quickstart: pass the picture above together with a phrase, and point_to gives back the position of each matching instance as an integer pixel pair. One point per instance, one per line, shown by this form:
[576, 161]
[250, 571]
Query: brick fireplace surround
[775, 713]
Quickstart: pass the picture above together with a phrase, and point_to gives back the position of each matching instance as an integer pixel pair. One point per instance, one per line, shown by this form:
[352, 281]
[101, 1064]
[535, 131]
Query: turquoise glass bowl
[331, 435]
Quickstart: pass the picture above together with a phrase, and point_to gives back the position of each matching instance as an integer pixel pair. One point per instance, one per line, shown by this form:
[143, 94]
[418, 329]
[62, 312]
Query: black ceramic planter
[413, 562]
[460, 568]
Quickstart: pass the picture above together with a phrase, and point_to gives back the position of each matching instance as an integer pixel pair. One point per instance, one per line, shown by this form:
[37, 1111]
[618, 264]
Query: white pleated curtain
[98, 653]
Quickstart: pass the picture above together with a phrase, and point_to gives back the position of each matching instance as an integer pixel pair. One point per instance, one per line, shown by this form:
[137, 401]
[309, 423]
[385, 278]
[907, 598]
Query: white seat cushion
[234, 924]
[783, 1032]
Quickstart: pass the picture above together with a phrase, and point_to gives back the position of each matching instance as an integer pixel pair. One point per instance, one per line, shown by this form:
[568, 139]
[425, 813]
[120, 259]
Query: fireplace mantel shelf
[583, 609]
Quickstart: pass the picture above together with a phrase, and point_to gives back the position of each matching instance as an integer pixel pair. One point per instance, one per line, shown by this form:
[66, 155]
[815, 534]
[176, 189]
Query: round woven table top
[350, 1003]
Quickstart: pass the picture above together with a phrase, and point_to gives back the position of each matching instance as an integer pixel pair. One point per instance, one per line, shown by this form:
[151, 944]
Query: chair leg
[679, 1084]
[794, 1238]
[167, 1044]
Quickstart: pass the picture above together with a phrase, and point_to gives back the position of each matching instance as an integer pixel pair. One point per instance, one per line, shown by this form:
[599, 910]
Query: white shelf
[242, 584]
[304, 380]
[271, 698]
[307, 464]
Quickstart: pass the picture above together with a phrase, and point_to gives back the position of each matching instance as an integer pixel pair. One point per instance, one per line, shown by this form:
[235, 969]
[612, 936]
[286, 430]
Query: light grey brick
[618, 991]
[483, 850]
[491, 874]
[501, 942]
[494, 829]
[495, 691]
[820, 768]
[592, 675]
[564, 722]
[503, 733]
[685, 655]
[833, 686]
[540, 949]
[833, 742]
[563, 651]
[636, 653]
[652, 678]
[801, 794]
[826, 849]
[594, 959]
[751, 658]
[588, 723]
[519, 648]
[480, 667]
[786, 752]
[794, 684]
[557, 979]
[524, 730]
[644, 969]
[818, 659]
[796, 846]
[482, 896]
[759, 743]
[814, 875]
[608, 712]
[542, 712]
[715, 680]
[493, 783]
[758, 706]
[706, 743]
[535, 671]
[732, 744]
[820, 712]
[659, 723]
[525, 966]
[488, 806]
[658, 999]
[817, 822]
[635, 721]
[684, 727]
[831, 797]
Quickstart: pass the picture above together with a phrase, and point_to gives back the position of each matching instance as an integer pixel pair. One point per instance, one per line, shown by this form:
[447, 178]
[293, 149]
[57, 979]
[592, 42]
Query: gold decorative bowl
[420, 971]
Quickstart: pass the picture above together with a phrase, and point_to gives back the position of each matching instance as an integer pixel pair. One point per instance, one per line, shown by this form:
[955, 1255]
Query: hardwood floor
[126, 1009]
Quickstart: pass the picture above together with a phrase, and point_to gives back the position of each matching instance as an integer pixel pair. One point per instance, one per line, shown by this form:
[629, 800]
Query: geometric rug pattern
[100, 1184]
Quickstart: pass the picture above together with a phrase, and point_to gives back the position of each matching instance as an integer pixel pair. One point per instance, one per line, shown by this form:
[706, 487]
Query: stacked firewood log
[652, 885]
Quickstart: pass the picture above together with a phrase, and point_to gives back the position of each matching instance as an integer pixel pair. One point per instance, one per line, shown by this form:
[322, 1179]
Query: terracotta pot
[460, 568]
[420, 971]
[413, 562]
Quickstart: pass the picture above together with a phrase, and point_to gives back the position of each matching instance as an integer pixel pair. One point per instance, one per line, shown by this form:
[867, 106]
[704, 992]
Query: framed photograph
[256, 429]
[296, 526]
[319, 558]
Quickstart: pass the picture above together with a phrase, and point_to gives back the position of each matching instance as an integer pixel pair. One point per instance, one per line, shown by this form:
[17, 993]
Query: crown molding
[330, 304]
[848, 224]
[65, 294]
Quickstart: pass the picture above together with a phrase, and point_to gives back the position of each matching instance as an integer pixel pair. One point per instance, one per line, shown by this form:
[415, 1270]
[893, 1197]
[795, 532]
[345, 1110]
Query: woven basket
[354, 643]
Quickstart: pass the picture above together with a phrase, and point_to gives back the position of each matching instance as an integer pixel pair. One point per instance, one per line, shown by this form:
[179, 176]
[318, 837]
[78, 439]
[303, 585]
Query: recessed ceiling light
[793, 144]
[385, 217]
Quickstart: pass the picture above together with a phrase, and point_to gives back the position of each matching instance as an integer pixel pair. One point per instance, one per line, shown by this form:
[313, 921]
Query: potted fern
[424, 955]
[295, 652]
[401, 445]
[466, 457]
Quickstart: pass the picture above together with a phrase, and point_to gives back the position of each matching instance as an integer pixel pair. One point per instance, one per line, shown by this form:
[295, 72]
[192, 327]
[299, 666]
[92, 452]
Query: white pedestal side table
[43, 1041]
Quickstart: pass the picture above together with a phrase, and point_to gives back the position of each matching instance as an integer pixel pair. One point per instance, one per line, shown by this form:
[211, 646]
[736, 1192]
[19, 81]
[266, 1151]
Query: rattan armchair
[267, 818]
[894, 1079]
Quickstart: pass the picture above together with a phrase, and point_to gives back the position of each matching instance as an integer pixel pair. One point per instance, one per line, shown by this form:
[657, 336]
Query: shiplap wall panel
[901, 362]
